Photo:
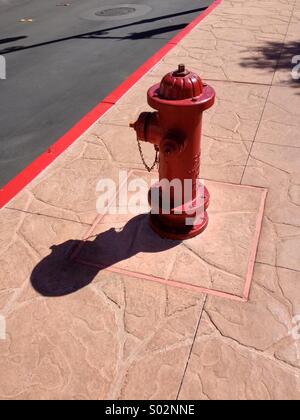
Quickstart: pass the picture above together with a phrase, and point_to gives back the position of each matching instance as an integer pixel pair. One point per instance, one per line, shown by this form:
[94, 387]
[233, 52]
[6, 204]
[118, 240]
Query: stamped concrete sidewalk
[76, 332]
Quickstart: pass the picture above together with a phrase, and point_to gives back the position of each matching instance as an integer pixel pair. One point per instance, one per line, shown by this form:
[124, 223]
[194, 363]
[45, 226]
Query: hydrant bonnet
[183, 88]
[180, 84]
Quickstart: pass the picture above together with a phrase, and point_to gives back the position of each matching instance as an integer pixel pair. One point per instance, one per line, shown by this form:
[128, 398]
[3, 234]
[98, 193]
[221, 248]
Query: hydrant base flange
[175, 234]
[171, 223]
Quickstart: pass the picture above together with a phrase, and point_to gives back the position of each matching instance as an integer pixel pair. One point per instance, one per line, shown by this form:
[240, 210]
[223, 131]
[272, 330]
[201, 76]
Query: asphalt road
[66, 59]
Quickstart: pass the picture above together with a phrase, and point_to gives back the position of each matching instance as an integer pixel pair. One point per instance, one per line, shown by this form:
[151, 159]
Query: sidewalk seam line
[277, 266]
[47, 215]
[269, 91]
[191, 349]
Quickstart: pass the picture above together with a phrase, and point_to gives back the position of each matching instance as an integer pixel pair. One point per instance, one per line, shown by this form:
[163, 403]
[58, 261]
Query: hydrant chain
[156, 160]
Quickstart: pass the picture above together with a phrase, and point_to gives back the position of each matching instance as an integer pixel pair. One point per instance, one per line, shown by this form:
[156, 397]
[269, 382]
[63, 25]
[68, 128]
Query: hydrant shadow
[59, 275]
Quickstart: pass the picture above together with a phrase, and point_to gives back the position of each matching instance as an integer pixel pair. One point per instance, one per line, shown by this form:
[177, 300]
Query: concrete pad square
[219, 261]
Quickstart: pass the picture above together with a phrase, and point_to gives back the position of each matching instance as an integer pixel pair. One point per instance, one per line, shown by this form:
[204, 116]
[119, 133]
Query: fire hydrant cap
[180, 84]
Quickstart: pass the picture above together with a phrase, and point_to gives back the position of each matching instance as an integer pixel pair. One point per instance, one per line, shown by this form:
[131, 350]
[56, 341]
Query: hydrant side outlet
[175, 129]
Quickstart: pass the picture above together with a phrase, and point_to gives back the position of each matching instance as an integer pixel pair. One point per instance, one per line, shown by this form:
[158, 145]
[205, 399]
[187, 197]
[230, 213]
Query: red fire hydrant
[179, 201]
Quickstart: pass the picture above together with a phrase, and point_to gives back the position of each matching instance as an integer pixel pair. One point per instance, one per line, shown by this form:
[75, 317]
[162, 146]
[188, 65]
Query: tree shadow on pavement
[60, 275]
[99, 33]
[12, 39]
[276, 56]
[143, 35]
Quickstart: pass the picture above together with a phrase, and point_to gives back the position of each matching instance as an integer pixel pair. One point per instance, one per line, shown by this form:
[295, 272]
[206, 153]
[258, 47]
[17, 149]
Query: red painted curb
[9, 191]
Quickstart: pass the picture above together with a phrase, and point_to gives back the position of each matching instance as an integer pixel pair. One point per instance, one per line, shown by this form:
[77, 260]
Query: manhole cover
[118, 11]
